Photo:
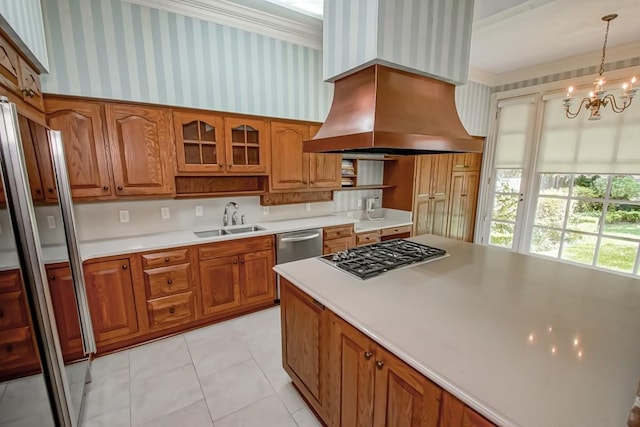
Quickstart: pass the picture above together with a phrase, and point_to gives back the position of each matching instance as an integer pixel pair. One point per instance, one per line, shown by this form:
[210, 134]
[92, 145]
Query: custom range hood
[380, 107]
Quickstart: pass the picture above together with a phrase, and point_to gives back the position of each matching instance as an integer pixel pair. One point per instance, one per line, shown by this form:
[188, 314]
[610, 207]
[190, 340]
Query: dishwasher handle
[300, 238]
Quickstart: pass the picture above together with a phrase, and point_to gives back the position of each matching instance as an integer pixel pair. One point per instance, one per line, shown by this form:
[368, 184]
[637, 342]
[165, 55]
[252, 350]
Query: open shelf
[366, 187]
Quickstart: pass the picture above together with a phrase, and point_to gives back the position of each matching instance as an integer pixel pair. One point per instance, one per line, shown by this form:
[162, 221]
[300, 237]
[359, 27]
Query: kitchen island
[522, 340]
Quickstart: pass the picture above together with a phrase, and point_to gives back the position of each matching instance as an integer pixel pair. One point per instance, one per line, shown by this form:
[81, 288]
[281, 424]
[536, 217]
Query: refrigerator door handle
[75, 260]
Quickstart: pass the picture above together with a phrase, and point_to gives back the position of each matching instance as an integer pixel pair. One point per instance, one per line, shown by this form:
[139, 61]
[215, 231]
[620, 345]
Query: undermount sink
[224, 232]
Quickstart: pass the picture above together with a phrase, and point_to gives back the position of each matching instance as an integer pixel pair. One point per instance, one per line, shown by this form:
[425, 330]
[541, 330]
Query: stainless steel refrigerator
[38, 386]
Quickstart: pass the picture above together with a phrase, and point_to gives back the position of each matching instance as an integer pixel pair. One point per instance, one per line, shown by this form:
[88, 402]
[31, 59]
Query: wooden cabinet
[454, 413]
[30, 85]
[246, 145]
[9, 67]
[141, 150]
[199, 142]
[305, 338]
[467, 162]
[20, 79]
[431, 199]
[81, 125]
[111, 300]
[367, 238]
[65, 308]
[462, 209]
[338, 238]
[291, 169]
[30, 158]
[391, 233]
[236, 274]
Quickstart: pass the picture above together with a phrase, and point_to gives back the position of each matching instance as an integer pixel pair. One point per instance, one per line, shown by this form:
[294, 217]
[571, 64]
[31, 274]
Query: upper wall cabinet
[325, 170]
[84, 145]
[247, 145]
[141, 151]
[199, 142]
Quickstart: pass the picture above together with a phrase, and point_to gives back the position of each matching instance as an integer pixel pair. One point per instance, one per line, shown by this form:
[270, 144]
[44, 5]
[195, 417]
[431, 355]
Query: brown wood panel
[367, 238]
[199, 142]
[338, 231]
[399, 173]
[141, 150]
[272, 199]
[45, 164]
[325, 171]
[17, 349]
[111, 299]
[254, 145]
[403, 397]
[13, 310]
[10, 280]
[352, 375]
[464, 194]
[219, 284]
[454, 413]
[433, 187]
[338, 245]
[470, 418]
[305, 336]
[168, 280]
[164, 258]
[289, 165]
[85, 146]
[65, 308]
[199, 186]
[30, 158]
[30, 85]
[9, 67]
[257, 278]
[235, 247]
[467, 162]
[171, 310]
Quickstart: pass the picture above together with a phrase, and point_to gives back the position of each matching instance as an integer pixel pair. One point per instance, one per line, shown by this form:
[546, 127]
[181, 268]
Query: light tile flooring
[225, 375]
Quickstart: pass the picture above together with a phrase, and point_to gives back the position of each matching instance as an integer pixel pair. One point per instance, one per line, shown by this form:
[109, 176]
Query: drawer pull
[167, 259]
[8, 348]
[379, 364]
[367, 355]
[52, 277]
[125, 266]
[172, 310]
[169, 282]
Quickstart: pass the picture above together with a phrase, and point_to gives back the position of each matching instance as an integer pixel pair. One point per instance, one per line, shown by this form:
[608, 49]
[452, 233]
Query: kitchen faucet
[225, 217]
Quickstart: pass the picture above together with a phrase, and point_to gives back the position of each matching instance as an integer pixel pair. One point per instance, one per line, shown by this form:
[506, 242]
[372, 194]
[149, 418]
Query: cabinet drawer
[164, 281]
[395, 230]
[158, 259]
[367, 238]
[171, 311]
[10, 281]
[12, 311]
[236, 247]
[16, 348]
[30, 82]
[337, 245]
[338, 232]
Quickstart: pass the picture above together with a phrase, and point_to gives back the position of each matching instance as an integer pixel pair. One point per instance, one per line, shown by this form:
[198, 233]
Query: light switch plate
[51, 221]
[307, 207]
[164, 213]
[265, 210]
[359, 203]
[124, 216]
[199, 211]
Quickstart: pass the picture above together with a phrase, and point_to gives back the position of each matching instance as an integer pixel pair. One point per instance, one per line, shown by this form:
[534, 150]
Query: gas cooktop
[369, 261]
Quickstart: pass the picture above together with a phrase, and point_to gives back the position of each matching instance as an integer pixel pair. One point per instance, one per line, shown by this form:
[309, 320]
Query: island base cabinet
[305, 335]
[455, 414]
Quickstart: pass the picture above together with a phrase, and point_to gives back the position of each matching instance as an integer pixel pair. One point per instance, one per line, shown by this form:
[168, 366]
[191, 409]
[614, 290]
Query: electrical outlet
[199, 211]
[124, 216]
[307, 207]
[164, 213]
[359, 203]
[265, 210]
[51, 220]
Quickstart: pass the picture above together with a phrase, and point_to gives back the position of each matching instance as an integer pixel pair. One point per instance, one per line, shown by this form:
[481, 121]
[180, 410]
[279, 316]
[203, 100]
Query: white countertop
[483, 323]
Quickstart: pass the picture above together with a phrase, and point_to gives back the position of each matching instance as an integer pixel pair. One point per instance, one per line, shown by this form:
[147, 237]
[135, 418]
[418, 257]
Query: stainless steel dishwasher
[297, 245]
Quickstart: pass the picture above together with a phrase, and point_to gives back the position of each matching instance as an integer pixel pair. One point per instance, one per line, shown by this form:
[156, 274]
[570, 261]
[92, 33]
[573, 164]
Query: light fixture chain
[604, 49]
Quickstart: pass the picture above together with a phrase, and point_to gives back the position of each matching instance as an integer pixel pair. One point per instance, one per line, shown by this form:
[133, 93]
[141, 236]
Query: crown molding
[479, 75]
[228, 13]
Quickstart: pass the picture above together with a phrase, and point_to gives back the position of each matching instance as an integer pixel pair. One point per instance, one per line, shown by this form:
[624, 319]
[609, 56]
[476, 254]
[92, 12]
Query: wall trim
[244, 18]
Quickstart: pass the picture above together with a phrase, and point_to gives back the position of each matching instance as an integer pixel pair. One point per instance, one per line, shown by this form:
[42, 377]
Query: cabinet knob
[167, 259]
[52, 277]
[230, 164]
[8, 348]
[125, 266]
[379, 364]
[235, 261]
[169, 282]
[105, 188]
[38, 191]
[220, 165]
[50, 190]
[367, 355]
[172, 310]
[242, 261]
[119, 187]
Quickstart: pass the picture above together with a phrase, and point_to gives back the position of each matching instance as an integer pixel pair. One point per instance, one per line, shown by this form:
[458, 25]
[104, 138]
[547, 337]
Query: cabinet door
[467, 162]
[45, 164]
[199, 142]
[219, 284]
[455, 414]
[403, 397]
[289, 165]
[257, 277]
[246, 145]
[140, 146]
[65, 308]
[30, 158]
[325, 171]
[464, 195]
[352, 375]
[305, 338]
[30, 82]
[338, 245]
[433, 181]
[9, 71]
[84, 145]
[111, 300]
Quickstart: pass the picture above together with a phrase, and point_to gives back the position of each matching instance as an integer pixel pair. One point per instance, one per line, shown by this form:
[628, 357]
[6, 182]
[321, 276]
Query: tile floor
[225, 375]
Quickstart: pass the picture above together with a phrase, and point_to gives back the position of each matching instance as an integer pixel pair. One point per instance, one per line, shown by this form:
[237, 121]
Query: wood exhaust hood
[384, 110]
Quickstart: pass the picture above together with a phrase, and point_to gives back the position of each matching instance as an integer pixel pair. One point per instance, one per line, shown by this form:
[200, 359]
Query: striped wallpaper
[625, 63]
[429, 36]
[114, 49]
[473, 102]
[23, 18]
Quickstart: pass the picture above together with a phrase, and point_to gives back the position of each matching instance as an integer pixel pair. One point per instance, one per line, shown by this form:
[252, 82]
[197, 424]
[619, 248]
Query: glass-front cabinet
[208, 143]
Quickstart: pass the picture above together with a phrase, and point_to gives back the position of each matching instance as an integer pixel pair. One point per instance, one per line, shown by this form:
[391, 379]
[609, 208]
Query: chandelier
[599, 97]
